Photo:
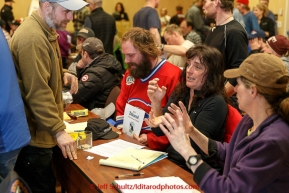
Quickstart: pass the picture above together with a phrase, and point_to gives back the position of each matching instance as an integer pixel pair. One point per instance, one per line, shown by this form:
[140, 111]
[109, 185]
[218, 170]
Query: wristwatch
[193, 160]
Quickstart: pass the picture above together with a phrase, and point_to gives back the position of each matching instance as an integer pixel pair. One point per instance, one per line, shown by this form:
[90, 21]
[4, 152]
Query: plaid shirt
[79, 17]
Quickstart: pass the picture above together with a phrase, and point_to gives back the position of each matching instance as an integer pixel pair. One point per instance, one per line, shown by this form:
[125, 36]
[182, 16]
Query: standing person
[270, 14]
[194, 15]
[119, 13]
[256, 159]
[179, 17]
[7, 14]
[228, 36]
[144, 64]
[14, 132]
[37, 60]
[250, 20]
[266, 24]
[147, 18]
[102, 24]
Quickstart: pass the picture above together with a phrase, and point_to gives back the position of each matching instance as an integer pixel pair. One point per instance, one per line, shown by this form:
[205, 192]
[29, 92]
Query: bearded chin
[141, 70]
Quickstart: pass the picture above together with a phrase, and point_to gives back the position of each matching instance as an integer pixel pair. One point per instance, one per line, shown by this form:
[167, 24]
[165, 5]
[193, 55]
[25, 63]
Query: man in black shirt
[6, 14]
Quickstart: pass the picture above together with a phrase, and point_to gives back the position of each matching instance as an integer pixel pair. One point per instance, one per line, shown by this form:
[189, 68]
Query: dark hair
[213, 61]
[227, 5]
[142, 40]
[189, 23]
[121, 5]
[179, 8]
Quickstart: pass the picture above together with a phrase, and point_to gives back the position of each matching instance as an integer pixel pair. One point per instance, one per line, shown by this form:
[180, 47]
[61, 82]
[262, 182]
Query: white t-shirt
[180, 61]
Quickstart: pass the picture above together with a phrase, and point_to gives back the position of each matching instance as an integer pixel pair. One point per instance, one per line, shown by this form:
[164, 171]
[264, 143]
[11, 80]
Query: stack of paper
[154, 185]
[133, 159]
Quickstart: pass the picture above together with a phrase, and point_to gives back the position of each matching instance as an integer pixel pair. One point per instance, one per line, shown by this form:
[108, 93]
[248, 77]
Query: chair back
[112, 98]
[232, 120]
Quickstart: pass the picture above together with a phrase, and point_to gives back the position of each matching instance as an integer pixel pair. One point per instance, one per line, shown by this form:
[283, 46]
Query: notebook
[133, 159]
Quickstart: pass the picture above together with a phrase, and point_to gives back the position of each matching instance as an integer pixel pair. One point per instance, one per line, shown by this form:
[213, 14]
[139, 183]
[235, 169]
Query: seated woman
[257, 158]
[201, 89]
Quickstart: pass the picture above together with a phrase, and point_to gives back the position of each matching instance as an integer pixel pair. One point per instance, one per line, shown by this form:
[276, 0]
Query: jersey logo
[129, 80]
[84, 78]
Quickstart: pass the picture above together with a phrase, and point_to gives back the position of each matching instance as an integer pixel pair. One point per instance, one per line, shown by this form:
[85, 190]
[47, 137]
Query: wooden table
[82, 175]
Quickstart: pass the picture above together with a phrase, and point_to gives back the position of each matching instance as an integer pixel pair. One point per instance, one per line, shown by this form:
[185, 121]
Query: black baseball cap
[100, 129]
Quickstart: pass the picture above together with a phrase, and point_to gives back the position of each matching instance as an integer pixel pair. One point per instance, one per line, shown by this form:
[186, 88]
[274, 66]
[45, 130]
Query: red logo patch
[84, 78]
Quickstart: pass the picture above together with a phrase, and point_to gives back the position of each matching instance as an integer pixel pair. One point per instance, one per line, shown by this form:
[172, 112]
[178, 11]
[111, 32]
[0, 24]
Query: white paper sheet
[112, 148]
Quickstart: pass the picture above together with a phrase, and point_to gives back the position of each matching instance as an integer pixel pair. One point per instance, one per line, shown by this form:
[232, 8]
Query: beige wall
[21, 8]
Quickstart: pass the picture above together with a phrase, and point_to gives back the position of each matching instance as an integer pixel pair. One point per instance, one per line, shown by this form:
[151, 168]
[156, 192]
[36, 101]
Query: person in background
[238, 16]
[189, 33]
[120, 13]
[266, 24]
[81, 36]
[176, 45]
[250, 20]
[201, 90]
[144, 64]
[228, 36]
[257, 41]
[179, 17]
[6, 34]
[147, 18]
[6, 14]
[270, 14]
[102, 24]
[194, 15]
[164, 17]
[78, 20]
[64, 42]
[37, 60]
[259, 146]
[14, 131]
[98, 73]
[14, 25]
[279, 46]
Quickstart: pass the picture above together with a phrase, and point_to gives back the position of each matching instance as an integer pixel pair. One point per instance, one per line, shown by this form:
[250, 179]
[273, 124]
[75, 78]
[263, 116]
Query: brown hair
[278, 98]
[142, 40]
[227, 5]
[263, 8]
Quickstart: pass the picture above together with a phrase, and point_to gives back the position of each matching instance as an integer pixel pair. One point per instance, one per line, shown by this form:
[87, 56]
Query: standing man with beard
[228, 36]
[37, 60]
[147, 17]
[144, 64]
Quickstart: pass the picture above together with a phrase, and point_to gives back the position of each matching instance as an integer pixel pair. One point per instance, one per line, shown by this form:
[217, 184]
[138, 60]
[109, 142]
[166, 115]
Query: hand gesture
[155, 93]
[72, 80]
[67, 145]
[153, 121]
[183, 112]
[143, 139]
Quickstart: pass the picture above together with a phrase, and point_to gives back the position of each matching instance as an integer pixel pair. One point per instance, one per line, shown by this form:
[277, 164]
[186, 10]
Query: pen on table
[137, 159]
[127, 175]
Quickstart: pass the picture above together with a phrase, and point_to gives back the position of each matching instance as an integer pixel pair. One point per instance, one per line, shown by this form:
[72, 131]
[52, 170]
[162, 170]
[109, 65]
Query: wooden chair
[232, 120]
[112, 98]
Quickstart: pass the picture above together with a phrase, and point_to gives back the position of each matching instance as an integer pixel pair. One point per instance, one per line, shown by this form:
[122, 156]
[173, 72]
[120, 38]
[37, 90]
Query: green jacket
[37, 59]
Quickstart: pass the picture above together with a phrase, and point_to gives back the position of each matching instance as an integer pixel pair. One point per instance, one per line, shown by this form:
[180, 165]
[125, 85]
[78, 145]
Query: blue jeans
[34, 165]
[7, 162]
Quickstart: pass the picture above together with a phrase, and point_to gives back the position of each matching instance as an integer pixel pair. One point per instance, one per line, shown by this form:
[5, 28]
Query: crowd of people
[185, 72]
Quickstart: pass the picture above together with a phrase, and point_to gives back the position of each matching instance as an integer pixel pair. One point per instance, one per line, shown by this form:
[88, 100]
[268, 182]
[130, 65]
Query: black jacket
[96, 81]
[7, 16]
[267, 25]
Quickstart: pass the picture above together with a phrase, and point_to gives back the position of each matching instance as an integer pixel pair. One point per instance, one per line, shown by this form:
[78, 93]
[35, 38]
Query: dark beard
[142, 69]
